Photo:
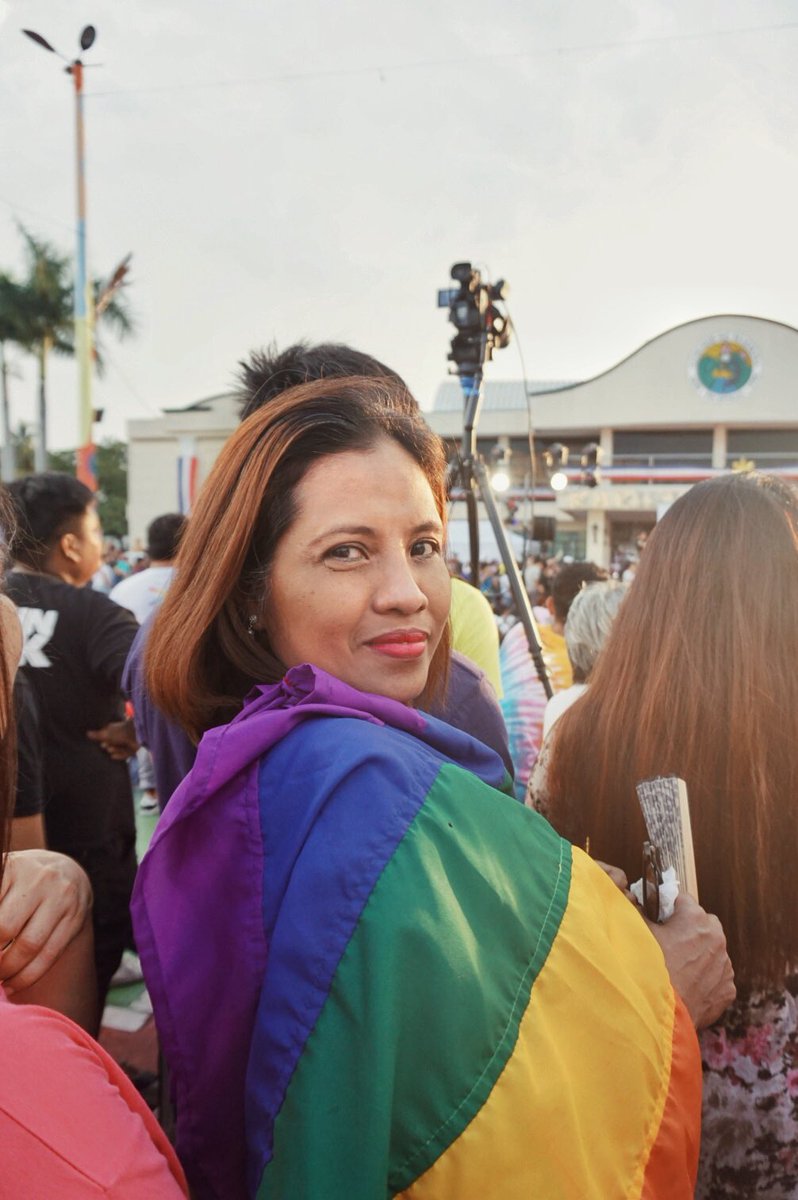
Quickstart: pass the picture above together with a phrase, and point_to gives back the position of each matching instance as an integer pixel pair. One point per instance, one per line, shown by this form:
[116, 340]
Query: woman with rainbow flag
[374, 972]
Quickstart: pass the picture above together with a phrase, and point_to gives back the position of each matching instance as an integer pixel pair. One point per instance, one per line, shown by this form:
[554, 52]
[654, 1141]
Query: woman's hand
[694, 946]
[117, 738]
[45, 902]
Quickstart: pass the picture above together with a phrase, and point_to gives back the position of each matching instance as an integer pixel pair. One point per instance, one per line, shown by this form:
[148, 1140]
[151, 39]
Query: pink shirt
[72, 1125]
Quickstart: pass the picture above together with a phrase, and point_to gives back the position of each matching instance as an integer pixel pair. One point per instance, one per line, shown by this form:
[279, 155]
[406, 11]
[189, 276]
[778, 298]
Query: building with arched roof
[710, 395]
[714, 394]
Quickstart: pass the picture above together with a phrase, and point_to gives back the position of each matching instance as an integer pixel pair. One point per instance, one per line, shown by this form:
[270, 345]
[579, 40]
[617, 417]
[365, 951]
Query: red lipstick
[401, 643]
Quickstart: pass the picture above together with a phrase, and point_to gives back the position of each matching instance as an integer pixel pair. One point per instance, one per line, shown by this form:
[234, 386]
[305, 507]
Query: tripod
[473, 475]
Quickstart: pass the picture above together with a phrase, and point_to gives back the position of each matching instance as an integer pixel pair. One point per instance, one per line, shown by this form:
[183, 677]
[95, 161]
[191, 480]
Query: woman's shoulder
[339, 748]
[345, 744]
[71, 1119]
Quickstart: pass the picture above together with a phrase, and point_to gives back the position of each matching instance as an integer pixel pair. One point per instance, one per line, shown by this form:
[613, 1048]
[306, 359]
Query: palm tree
[111, 310]
[12, 330]
[24, 446]
[47, 316]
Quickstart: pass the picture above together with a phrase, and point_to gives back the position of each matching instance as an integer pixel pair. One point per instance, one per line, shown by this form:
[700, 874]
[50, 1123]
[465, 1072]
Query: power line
[381, 70]
[156, 412]
[21, 208]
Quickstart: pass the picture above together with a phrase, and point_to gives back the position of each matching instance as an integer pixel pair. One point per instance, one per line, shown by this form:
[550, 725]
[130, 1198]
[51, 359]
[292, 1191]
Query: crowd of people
[374, 969]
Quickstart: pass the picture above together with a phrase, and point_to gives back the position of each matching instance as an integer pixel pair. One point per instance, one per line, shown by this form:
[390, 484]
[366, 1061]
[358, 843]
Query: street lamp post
[83, 297]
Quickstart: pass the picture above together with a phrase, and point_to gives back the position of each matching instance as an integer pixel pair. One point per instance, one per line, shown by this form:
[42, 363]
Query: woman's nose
[397, 588]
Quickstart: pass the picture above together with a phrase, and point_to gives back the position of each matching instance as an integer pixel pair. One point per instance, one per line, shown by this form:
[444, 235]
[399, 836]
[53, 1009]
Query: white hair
[589, 620]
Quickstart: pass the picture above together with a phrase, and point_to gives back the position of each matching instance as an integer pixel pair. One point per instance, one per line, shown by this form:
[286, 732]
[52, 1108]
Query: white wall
[154, 447]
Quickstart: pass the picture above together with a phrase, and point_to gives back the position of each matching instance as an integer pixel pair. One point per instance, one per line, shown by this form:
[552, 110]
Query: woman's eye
[345, 554]
[426, 548]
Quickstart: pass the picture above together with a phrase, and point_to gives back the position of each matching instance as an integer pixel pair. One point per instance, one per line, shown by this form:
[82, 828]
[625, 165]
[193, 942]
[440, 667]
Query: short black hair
[164, 534]
[46, 506]
[567, 584]
[268, 372]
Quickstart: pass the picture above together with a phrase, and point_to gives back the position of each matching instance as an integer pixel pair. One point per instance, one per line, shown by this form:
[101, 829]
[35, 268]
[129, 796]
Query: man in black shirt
[27, 827]
[76, 642]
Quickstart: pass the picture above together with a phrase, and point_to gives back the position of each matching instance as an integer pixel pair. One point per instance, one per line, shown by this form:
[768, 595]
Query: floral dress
[749, 1139]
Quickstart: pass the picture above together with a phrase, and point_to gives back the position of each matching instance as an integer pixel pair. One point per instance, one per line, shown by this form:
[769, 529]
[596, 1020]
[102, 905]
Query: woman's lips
[401, 643]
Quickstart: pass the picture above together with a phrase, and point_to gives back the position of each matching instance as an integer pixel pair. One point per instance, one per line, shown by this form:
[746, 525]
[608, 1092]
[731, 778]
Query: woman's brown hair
[200, 660]
[699, 678]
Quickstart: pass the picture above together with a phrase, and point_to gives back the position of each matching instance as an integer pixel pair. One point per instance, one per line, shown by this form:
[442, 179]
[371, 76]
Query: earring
[251, 626]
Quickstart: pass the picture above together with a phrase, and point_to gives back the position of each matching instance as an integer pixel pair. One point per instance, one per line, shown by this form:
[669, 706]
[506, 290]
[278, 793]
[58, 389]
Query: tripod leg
[473, 533]
[519, 592]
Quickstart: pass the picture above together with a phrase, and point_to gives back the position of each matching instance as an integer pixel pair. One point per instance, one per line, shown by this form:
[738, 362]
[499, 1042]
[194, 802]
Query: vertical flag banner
[187, 473]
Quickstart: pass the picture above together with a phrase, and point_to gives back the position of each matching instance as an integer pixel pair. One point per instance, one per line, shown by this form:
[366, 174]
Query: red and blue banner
[187, 468]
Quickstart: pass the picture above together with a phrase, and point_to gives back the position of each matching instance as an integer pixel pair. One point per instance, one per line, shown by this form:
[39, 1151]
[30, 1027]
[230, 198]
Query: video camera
[481, 326]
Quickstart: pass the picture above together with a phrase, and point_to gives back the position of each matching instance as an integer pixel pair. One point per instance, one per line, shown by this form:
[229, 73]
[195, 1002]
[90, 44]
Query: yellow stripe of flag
[578, 1107]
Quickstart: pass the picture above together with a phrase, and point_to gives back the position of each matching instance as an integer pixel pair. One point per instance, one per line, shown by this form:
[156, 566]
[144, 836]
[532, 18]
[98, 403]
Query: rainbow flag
[375, 975]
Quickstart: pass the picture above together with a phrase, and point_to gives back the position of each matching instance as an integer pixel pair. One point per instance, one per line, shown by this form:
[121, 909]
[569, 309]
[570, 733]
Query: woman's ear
[69, 546]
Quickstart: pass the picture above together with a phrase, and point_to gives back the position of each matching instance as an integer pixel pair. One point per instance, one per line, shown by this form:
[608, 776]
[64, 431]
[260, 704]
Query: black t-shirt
[30, 751]
[76, 643]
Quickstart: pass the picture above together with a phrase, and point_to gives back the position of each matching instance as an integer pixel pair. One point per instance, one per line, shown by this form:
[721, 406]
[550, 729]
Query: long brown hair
[200, 661]
[699, 678]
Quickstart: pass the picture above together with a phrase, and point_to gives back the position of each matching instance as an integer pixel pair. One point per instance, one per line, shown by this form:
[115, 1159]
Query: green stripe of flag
[425, 1005]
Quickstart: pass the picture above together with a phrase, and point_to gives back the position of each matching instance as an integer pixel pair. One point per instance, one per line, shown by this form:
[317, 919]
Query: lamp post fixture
[500, 465]
[555, 458]
[83, 298]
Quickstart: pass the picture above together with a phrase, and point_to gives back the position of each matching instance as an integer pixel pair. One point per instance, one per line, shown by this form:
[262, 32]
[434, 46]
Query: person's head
[57, 529]
[163, 537]
[697, 679]
[318, 537]
[590, 619]
[267, 373]
[566, 585]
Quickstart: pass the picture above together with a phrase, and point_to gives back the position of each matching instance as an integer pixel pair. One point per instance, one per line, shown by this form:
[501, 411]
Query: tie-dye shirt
[524, 701]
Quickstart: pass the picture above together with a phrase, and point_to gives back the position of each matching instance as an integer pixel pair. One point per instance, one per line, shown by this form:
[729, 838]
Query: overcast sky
[281, 171]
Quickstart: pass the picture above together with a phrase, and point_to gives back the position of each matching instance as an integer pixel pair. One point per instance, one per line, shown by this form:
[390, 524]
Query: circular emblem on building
[725, 367]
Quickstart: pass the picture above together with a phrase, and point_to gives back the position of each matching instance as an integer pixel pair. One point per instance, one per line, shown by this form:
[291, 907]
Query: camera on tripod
[481, 325]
